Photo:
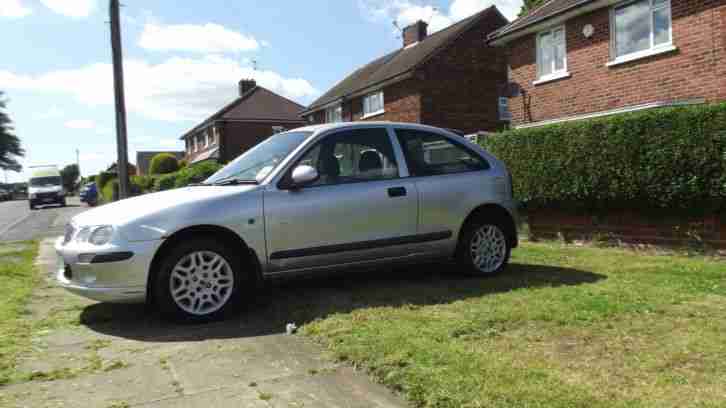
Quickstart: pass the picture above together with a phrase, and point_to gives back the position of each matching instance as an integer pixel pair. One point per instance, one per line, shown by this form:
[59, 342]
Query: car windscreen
[261, 160]
[45, 181]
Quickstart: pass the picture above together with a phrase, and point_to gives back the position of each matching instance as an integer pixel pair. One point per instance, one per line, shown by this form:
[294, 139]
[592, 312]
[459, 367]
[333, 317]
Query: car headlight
[32, 196]
[98, 235]
[101, 235]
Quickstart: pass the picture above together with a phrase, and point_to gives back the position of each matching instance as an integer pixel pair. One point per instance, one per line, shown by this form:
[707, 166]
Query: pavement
[87, 354]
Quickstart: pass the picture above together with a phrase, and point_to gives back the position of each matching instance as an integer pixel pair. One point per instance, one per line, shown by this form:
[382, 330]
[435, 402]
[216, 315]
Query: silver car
[315, 198]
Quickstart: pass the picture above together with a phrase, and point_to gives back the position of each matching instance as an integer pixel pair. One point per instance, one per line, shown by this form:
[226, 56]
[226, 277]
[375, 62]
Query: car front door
[359, 210]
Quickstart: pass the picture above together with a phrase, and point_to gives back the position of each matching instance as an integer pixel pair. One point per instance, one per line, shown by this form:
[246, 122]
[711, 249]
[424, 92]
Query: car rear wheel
[199, 280]
[484, 248]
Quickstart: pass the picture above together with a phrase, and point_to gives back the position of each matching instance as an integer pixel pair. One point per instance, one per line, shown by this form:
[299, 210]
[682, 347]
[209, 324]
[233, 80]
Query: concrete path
[94, 355]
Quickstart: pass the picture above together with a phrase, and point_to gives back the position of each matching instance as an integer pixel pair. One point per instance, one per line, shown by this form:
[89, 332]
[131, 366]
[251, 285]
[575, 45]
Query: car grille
[43, 196]
[68, 235]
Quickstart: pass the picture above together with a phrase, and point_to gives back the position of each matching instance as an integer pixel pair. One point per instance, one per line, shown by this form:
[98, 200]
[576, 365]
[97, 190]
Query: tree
[10, 148]
[528, 6]
[163, 163]
[69, 176]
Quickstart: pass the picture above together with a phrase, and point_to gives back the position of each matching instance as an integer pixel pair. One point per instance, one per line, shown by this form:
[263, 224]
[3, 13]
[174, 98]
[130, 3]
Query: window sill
[641, 54]
[372, 114]
[550, 78]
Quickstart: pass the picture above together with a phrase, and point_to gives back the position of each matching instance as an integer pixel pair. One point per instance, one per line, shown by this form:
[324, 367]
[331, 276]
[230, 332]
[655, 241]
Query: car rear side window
[430, 154]
[353, 156]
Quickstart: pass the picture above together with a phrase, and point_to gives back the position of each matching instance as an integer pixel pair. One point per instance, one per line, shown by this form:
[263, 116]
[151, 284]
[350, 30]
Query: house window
[373, 104]
[641, 27]
[334, 114]
[551, 53]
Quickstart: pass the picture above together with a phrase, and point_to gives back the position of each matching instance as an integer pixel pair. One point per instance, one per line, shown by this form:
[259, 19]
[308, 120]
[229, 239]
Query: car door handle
[397, 191]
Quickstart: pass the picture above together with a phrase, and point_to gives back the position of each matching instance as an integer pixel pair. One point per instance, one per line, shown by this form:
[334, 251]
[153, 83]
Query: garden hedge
[163, 163]
[670, 159]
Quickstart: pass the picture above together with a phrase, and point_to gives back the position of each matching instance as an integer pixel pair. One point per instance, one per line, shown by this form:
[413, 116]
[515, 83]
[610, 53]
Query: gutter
[499, 38]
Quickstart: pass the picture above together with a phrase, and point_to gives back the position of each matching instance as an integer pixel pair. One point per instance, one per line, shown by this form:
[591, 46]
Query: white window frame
[367, 112]
[654, 49]
[334, 114]
[207, 137]
[555, 74]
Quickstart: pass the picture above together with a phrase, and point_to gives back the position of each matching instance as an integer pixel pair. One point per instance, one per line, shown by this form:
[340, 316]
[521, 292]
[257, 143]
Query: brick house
[254, 116]
[143, 160]
[574, 59]
[447, 79]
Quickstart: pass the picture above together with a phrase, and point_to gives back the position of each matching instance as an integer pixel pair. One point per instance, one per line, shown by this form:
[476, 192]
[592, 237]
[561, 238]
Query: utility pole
[118, 85]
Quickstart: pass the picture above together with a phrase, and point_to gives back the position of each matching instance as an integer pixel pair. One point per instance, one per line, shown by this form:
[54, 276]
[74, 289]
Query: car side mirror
[303, 175]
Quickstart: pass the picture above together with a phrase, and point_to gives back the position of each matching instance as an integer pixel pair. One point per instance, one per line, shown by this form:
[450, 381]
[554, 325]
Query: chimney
[414, 33]
[246, 85]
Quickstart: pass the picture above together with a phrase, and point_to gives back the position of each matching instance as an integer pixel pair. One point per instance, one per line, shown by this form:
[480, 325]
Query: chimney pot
[414, 33]
[246, 85]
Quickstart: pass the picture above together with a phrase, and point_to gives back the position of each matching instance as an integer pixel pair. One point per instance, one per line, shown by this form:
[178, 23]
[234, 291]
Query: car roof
[367, 124]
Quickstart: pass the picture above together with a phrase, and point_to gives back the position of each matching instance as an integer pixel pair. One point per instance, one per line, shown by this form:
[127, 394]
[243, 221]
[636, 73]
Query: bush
[671, 159]
[163, 163]
[144, 184]
[166, 182]
[102, 179]
[183, 163]
[197, 173]
[109, 191]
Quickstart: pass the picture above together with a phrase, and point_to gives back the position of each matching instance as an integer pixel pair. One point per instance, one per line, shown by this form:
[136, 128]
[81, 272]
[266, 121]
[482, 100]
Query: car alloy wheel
[201, 282]
[488, 248]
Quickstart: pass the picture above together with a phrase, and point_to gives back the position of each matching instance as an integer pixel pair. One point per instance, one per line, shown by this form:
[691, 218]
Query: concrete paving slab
[243, 362]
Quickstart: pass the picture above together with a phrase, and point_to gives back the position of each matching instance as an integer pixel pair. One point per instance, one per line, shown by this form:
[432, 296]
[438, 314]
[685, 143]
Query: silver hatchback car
[315, 198]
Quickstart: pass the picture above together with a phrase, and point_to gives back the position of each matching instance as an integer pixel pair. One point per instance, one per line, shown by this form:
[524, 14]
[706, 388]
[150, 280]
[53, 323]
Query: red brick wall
[460, 85]
[629, 228]
[457, 89]
[696, 70]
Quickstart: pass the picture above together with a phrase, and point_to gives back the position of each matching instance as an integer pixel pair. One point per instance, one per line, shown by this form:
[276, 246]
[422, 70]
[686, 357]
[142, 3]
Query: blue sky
[182, 62]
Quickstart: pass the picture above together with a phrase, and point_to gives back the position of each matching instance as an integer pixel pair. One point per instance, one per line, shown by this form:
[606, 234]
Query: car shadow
[300, 301]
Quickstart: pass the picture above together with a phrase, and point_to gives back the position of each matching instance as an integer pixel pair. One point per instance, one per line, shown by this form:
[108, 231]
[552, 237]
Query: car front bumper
[106, 273]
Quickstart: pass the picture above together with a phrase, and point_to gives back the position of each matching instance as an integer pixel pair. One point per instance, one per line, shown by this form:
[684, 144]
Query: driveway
[87, 354]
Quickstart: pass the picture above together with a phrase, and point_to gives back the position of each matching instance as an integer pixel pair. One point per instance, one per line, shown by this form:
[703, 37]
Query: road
[18, 223]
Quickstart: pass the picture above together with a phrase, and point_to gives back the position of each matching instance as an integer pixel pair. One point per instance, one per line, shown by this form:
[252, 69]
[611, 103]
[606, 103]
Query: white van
[46, 187]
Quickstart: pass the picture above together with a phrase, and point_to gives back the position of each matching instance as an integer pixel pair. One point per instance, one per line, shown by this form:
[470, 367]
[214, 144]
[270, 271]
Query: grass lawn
[17, 279]
[564, 327]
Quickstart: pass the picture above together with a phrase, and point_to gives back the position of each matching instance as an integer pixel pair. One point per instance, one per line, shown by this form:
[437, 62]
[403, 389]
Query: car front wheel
[199, 280]
[484, 248]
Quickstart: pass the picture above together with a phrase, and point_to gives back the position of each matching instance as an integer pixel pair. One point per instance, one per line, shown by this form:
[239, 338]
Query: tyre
[63, 203]
[199, 280]
[484, 247]
[32, 207]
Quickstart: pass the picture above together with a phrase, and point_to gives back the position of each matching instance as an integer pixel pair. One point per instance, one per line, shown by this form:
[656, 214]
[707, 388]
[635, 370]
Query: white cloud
[13, 8]
[207, 38]
[71, 8]
[176, 89]
[80, 124]
[405, 12]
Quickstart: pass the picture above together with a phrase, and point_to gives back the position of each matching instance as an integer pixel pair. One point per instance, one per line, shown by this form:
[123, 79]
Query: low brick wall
[629, 228]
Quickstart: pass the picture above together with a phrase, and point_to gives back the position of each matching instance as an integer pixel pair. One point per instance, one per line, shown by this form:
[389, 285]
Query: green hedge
[671, 159]
[163, 163]
[196, 173]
